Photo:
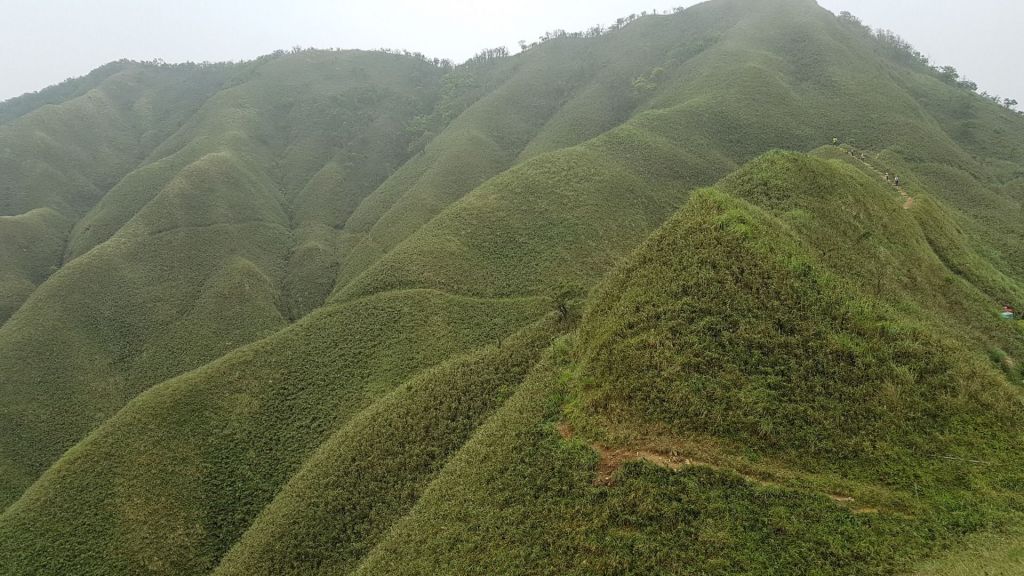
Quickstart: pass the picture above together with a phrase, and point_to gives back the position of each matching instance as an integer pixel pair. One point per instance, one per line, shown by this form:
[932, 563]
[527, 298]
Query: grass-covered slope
[738, 400]
[804, 323]
[31, 248]
[176, 477]
[547, 223]
[371, 472]
[150, 310]
[65, 156]
[69, 89]
[557, 95]
[325, 147]
[117, 319]
[733, 84]
[186, 258]
[518, 499]
[62, 149]
[747, 316]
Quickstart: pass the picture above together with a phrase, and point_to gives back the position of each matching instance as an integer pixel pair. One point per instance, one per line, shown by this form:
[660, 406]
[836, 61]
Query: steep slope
[738, 403]
[185, 259]
[169, 483]
[258, 107]
[746, 306]
[724, 103]
[58, 94]
[559, 94]
[375, 468]
[33, 248]
[413, 217]
[67, 156]
[62, 149]
[325, 146]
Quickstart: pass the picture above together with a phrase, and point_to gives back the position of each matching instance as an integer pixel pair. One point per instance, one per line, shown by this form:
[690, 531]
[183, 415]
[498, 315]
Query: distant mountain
[572, 311]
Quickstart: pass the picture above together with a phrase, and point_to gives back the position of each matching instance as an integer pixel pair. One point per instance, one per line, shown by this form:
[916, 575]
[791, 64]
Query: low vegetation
[610, 305]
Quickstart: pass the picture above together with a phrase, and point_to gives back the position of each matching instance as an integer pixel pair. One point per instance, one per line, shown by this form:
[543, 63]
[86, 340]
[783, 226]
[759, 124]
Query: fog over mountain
[42, 43]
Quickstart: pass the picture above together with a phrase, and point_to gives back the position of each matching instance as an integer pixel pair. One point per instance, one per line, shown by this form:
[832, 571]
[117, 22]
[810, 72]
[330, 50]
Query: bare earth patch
[611, 459]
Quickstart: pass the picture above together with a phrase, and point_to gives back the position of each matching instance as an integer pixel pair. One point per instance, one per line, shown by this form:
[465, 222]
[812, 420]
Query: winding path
[860, 155]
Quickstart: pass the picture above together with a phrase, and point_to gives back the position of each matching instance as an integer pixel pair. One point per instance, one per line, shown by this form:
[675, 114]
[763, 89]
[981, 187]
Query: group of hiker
[1008, 312]
[895, 179]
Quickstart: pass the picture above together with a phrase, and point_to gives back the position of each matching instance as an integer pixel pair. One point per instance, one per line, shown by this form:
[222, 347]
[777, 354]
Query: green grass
[66, 156]
[785, 360]
[187, 466]
[178, 308]
[259, 317]
[986, 554]
[558, 95]
[185, 259]
[371, 472]
[514, 236]
[31, 248]
[18, 106]
[482, 141]
[737, 336]
[518, 499]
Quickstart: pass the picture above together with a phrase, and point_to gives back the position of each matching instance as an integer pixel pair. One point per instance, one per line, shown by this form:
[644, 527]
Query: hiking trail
[611, 459]
[860, 156]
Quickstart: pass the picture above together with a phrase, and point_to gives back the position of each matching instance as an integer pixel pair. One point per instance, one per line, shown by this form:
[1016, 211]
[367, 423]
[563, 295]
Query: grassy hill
[193, 460]
[186, 257]
[33, 248]
[735, 401]
[62, 148]
[344, 312]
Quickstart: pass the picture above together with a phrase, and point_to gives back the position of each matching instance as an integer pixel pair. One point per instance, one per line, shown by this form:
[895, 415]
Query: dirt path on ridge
[611, 459]
[908, 200]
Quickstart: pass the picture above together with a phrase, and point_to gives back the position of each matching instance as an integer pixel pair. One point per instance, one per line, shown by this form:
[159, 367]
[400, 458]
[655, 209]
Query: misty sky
[45, 41]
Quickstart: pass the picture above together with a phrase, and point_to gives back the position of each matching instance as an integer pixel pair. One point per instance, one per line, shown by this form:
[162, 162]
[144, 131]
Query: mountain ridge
[318, 246]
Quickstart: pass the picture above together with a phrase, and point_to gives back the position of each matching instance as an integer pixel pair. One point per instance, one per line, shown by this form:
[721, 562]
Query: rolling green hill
[186, 257]
[737, 401]
[607, 306]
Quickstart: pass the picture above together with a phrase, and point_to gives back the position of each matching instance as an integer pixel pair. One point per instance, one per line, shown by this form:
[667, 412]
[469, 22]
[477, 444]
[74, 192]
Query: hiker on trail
[897, 181]
[886, 176]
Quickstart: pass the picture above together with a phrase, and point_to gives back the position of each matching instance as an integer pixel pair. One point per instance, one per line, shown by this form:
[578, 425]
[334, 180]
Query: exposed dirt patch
[611, 459]
[676, 458]
[908, 201]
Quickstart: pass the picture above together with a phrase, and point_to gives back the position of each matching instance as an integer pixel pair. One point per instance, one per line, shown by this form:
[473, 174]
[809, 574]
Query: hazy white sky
[45, 41]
